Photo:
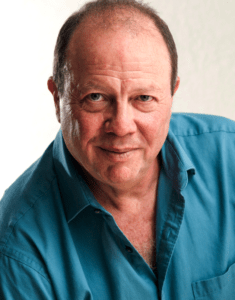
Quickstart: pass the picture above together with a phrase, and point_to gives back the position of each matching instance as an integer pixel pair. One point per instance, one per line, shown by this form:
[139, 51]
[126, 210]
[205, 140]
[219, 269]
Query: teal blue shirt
[58, 242]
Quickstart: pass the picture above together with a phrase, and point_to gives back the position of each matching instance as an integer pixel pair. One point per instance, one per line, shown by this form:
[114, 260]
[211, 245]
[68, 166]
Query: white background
[204, 32]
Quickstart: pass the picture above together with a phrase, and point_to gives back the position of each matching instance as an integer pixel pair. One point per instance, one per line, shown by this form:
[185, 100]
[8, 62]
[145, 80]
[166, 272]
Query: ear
[177, 84]
[53, 89]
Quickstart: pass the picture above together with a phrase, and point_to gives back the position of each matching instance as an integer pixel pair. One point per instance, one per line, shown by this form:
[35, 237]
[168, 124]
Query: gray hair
[98, 6]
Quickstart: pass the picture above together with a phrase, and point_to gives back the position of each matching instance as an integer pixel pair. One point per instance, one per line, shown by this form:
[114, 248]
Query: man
[120, 206]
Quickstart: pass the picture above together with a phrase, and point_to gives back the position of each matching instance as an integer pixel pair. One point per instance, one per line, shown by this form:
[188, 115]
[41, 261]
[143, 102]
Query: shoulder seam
[21, 262]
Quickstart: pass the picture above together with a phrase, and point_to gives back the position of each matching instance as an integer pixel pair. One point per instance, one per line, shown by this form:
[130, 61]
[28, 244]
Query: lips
[117, 154]
[118, 150]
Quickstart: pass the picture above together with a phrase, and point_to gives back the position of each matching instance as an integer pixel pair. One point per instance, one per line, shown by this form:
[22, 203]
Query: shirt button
[129, 249]
[97, 211]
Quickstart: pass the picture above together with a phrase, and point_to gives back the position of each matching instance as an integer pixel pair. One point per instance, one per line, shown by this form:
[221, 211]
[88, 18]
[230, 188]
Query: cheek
[90, 126]
[156, 128]
[83, 128]
[69, 124]
[163, 124]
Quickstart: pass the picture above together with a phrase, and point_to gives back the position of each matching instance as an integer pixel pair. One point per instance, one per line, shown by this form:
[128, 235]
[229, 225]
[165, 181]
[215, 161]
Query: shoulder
[190, 124]
[26, 209]
[31, 186]
[207, 141]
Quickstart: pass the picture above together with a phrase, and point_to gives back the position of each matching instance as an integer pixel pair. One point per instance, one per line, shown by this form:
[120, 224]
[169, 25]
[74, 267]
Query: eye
[94, 102]
[145, 98]
[95, 96]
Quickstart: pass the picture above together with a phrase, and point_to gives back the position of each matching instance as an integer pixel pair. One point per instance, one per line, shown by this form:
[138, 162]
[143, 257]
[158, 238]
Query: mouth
[118, 154]
[117, 150]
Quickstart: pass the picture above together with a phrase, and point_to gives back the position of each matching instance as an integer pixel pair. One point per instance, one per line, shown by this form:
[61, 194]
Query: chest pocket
[217, 288]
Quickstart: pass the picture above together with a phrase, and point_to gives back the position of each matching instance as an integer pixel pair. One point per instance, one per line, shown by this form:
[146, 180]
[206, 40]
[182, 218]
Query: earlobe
[54, 91]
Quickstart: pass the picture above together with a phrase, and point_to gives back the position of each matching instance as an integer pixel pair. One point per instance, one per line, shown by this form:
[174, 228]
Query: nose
[120, 120]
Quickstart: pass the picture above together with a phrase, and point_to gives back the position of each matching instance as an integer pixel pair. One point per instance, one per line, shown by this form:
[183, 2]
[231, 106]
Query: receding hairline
[128, 21]
[118, 15]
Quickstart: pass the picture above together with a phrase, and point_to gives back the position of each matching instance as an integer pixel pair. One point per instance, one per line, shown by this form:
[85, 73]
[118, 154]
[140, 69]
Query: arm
[20, 281]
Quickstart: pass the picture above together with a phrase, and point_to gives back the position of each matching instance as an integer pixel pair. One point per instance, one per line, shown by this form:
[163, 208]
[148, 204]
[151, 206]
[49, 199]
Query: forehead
[122, 42]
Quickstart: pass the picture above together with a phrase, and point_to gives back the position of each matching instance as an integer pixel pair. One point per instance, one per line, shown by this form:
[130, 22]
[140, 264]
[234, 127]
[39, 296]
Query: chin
[119, 175]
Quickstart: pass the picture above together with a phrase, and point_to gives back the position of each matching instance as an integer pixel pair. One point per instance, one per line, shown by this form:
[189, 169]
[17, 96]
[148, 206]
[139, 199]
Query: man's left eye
[145, 98]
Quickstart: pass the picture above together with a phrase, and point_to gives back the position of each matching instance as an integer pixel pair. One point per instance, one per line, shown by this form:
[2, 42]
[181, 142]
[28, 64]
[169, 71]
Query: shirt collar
[74, 191]
[176, 162]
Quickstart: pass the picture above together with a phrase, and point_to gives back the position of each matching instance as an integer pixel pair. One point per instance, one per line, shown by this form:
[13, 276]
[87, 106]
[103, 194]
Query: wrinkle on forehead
[108, 51]
[125, 68]
[110, 71]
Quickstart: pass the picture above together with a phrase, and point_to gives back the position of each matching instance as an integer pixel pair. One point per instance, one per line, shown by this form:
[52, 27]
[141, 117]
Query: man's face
[117, 106]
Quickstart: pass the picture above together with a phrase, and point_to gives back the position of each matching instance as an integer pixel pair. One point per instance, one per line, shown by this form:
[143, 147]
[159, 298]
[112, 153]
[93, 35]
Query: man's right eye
[95, 96]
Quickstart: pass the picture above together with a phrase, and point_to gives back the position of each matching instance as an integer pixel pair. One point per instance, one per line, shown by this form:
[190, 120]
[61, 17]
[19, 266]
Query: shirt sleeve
[20, 281]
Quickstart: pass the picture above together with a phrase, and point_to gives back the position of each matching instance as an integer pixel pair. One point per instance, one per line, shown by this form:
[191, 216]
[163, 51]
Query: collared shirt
[58, 242]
